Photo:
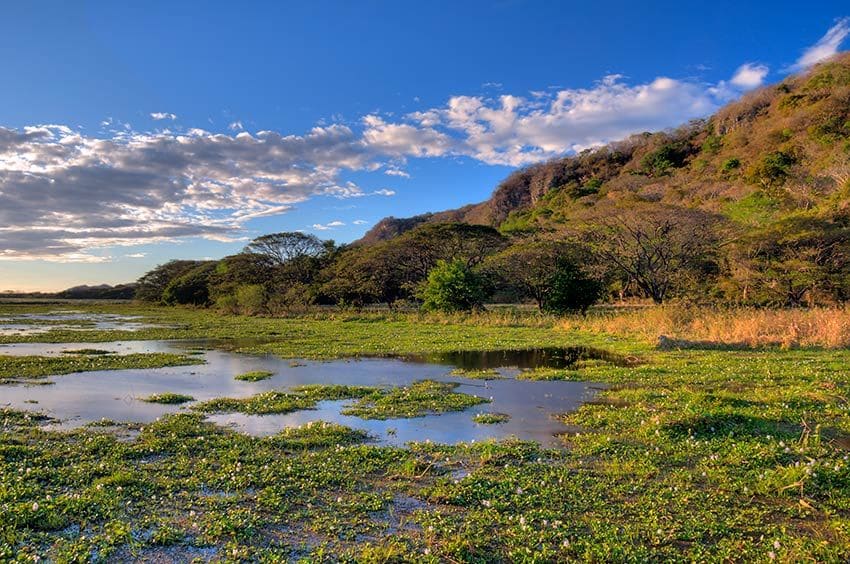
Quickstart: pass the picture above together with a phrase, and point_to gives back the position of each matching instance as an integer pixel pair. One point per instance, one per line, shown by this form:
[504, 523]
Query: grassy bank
[693, 455]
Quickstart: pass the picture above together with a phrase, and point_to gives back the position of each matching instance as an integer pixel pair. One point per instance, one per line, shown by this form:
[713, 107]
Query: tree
[570, 289]
[281, 248]
[190, 288]
[452, 286]
[152, 284]
[660, 249]
[414, 254]
[527, 268]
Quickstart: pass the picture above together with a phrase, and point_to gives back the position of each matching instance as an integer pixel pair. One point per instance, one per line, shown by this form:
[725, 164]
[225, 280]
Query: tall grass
[738, 327]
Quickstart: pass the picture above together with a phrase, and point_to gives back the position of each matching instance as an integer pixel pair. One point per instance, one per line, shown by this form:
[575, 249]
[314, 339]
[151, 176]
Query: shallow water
[68, 320]
[77, 399]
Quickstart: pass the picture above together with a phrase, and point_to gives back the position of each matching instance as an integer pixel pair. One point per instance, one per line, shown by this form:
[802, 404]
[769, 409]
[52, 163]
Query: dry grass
[691, 327]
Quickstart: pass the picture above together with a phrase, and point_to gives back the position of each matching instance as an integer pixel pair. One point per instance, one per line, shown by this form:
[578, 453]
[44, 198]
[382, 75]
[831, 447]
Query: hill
[778, 153]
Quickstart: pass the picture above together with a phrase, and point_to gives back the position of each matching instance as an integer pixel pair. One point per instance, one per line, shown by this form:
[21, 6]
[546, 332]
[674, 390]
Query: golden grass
[741, 327]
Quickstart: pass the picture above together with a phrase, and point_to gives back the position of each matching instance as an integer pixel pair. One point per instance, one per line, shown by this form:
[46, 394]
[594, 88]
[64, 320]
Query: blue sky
[132, 133]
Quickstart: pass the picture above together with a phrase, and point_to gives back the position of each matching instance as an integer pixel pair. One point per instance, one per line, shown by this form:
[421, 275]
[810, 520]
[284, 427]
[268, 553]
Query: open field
[714, 452]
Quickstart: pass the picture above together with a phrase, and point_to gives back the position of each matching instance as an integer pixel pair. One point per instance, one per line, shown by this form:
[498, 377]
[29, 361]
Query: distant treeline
[748, 207]
[652, 254]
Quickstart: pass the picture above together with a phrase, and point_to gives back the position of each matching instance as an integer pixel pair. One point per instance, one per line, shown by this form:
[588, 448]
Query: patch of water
[68, 320]
[77, 399]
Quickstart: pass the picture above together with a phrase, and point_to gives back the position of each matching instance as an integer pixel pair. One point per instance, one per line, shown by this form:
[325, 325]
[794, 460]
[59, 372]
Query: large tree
[152, 284]
[660, 249]
[281, 248]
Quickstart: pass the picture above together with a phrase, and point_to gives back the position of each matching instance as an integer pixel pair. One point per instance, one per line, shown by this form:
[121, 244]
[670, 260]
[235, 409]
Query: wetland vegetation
[691, 454]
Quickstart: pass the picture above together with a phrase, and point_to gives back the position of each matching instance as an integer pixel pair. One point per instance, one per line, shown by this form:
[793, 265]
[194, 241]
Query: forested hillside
[751, 206]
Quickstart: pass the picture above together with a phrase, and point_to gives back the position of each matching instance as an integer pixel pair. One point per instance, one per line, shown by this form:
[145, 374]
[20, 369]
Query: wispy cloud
[235, 126]
[392, 171]
[159, 116]
[328, 226]
[826, 47]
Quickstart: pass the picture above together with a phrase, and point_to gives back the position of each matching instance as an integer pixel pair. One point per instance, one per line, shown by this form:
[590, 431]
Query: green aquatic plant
[168, 398]
[419, 399]
[477, 374]
[30, 367]
[491, 418]
[254, 376]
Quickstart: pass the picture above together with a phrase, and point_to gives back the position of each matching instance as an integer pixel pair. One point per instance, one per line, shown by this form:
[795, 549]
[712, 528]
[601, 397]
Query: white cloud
[392, 171]
[327, 226]
[163, 115]
[359, 222]
[826, 46]
[749, 76]
[64, 194]
[136, 255]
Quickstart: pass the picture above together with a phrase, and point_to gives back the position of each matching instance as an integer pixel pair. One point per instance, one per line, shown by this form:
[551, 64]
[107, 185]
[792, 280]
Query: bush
[571, 290]
[251, 298]
[452, 286]
[731, 164]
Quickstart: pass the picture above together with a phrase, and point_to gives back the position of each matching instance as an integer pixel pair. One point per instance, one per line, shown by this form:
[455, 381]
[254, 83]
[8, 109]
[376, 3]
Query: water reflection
[77, 399]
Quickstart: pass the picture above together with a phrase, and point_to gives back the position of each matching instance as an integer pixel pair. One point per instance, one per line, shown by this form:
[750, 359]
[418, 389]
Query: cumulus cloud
[826, 46]
[749, 76]
[158, 116]
[64, 194]
[515, 130]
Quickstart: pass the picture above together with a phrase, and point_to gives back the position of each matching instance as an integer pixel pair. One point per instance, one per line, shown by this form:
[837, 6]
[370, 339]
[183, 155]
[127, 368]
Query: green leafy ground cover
[35, 367]
[169, 398]
[691, 456]
[254, 376]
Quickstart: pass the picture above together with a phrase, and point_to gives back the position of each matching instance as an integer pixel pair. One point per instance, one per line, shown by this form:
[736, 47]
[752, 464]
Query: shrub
[452, 286]
[251, 298]
[731, 164]
[571, 290]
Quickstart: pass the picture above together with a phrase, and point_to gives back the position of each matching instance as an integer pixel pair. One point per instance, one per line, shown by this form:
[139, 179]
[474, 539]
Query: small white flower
[35, 506]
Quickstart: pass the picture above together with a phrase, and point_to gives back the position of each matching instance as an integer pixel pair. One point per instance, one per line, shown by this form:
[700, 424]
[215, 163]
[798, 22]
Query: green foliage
[254, 376]
[168, 398]
[190, 288]
[491, 418]
[452, 286]
[251, 298]
[772, 170]
[730, 164]
[416, 400]
[712, 144]
[571, 290]
[33, 367]
[152, 284]
[661, 160]
[575, 190]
